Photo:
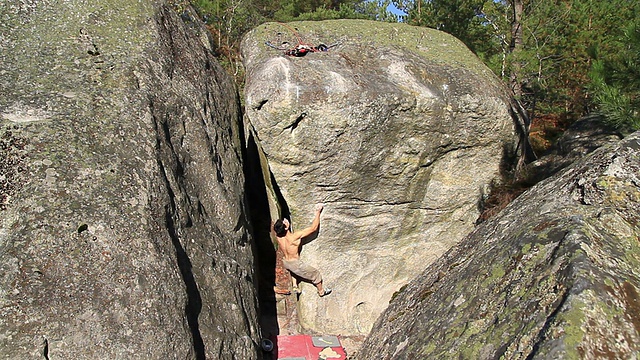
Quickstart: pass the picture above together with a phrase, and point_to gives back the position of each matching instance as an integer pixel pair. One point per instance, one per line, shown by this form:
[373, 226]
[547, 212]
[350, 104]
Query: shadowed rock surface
[581, 138]
[123, 227]
[554, 275]
[397, 130]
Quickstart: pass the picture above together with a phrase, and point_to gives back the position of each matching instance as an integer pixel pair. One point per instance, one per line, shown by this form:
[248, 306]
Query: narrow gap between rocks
[278, 305]
[277, 311]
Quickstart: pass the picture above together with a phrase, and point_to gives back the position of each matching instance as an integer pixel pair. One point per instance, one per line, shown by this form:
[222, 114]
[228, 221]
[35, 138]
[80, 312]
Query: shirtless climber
[290, 243]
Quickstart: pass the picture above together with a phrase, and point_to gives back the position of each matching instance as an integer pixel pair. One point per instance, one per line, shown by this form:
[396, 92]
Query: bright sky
[391, 8]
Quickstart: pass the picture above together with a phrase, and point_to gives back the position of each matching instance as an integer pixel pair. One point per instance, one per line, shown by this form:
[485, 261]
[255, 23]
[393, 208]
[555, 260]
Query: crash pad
[307, 347]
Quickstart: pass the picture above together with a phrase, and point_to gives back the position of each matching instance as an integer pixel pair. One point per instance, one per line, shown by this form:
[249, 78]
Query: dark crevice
[284, 208]
[167, 137]
[269, 274]
[296, 122]
[261, 104]
[265, 258]
[194, 300]
[501, 193]
[45, 351]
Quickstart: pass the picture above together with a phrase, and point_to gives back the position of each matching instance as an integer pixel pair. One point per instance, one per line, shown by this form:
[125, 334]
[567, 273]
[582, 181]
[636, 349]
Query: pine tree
[615, 81]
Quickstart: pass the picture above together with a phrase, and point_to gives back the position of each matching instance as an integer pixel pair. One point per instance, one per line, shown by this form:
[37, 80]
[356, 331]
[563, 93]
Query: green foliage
[555, 62]
[229, 20]
[488, 34]
[615, 81]
[321, 13]
[376, 10]
[300, 10]
[552, 63]
[455, 17]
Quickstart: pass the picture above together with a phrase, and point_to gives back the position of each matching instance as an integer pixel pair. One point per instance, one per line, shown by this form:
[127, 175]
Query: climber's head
[281, 227]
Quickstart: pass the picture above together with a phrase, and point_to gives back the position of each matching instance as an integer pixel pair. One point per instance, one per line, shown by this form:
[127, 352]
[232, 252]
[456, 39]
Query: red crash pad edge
[302, 347]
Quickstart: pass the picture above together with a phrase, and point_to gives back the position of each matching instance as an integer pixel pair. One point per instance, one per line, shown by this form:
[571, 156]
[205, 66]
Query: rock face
[396, 129]
[554, 275]
[123, 226]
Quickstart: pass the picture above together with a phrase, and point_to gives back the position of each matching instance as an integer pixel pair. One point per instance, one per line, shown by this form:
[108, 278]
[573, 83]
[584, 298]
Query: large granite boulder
[398, 130]
[553, 276]
[123, 226]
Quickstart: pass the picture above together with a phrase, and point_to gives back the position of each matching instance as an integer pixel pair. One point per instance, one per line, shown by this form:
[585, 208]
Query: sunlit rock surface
[398, 130]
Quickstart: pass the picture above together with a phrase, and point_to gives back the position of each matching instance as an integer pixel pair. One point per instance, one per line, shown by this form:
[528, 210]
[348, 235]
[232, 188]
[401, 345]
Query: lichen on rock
[117, 238]
[551, 276]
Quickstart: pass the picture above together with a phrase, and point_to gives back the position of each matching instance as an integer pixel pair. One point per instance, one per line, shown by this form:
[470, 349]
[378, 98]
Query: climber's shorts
[303, 270]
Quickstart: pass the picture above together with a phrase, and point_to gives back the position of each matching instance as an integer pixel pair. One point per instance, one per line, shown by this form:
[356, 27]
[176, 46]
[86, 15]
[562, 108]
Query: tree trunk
[516, 46]
[515, 82]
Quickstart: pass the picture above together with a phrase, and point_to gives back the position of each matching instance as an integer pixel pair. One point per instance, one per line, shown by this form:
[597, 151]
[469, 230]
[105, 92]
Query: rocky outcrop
[123, 227]
[554, 275]
[581, 138]
[396, 129]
